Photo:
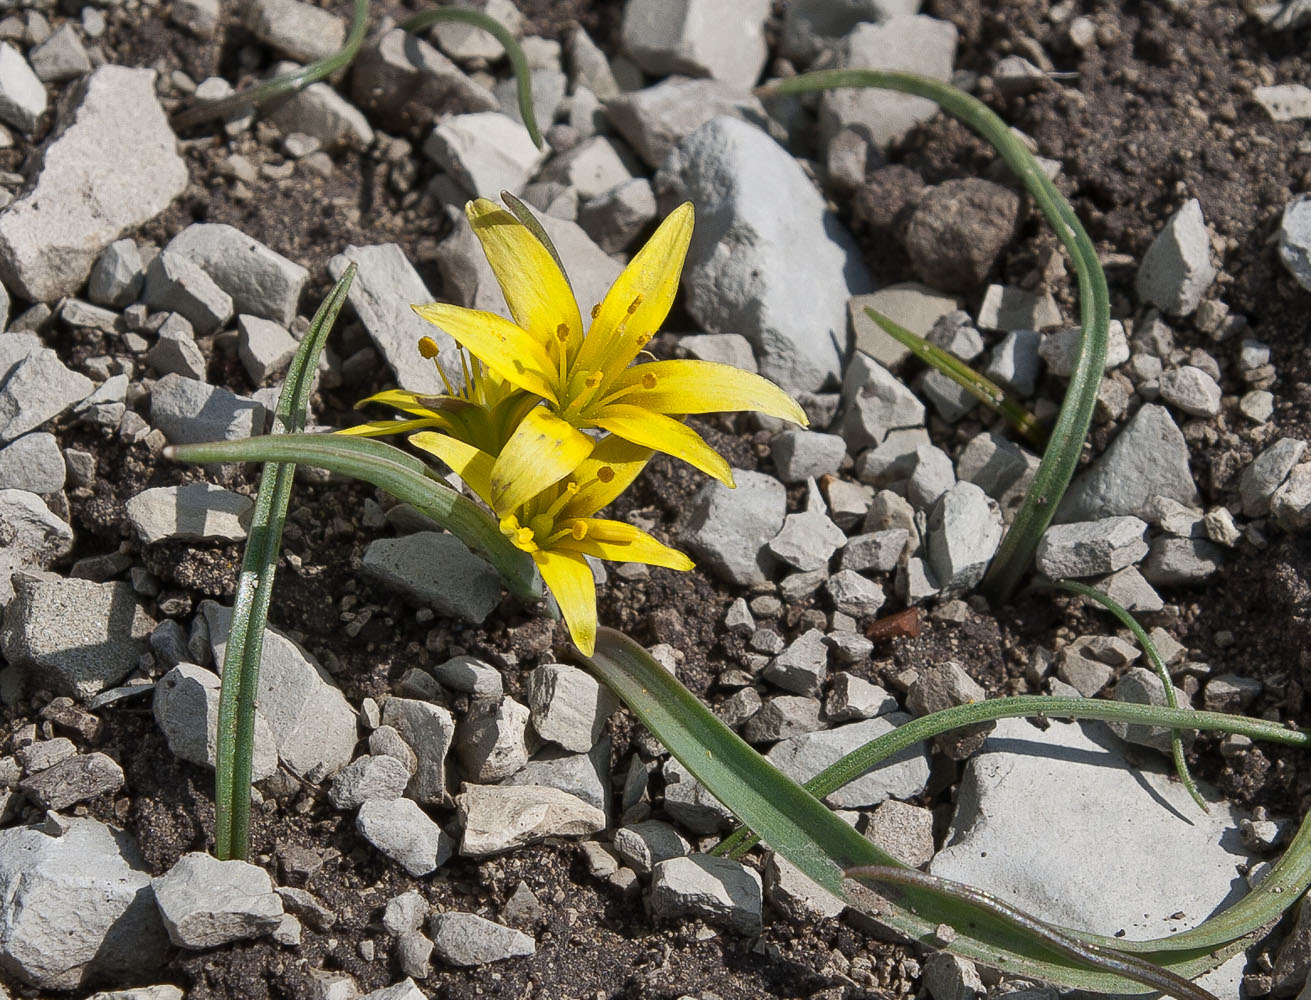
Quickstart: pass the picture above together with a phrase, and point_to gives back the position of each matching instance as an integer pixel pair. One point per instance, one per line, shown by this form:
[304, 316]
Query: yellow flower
[484, 411]
[585, 377]
[557, 527]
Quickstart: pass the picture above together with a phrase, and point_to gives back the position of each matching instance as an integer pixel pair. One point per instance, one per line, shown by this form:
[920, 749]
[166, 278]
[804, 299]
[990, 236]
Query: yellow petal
[703, 387]
[639, 300]
[662, 433]
[377, 428]
[608, 471]
[642, 548]
[508, 350]
[410, 402]
[570, 581]
[535, 289]
[466, 461]
[542, 451]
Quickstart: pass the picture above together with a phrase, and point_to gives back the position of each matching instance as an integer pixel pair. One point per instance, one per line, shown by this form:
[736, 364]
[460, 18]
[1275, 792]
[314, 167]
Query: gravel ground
[1152, 117]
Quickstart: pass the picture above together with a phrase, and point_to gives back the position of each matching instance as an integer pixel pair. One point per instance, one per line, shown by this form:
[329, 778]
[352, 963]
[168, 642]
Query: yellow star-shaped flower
[557, 527]
[586, 377]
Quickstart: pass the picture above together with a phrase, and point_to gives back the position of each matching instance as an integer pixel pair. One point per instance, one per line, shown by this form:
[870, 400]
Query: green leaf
[400, 474]
[250, 609]
[798, 826]
[1067, 436]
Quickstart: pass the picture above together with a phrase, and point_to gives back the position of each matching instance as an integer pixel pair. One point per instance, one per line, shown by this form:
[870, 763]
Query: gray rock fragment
[964, 532]
[655, 119]
[762, 230]
[367, 778]
[493, 745]
[688, 802]
[89, 881]
[1267, 473]
[193, 512]
[616, 217]
[190, 411]
[1291, 503]
[313, 725]
[73, 780]
[437, 569]
[682, 38]
[186, 707]
[298, 30]
[807, 540]
[644, 845]
[470, 675]
[569, 706]
[1175, 561]
[874, 402]
[175, 350]
[485, 152]
[1191, 391]
[405, 834]
[428, 729]
[260, 281]
[1008, 308]
[36, 389]
[853, 594]
[851, 698]
[1295, 239]
[944, 686]
[803, 666]
[902, 776]
[33, 462]
[718, 890]
[112, 167]
[22, 97]
[903, 830]
[1091, 548]
[61, 57]
[465, 939]
[1177, 270]
[402, 82]
[206, 902]
[381, 294]
[74, 636]
[117, 275]
[1141, 686]
[175, 283]
[801, 454]
[586, 776]
[902, 42]
[728, 530]
[1077, 775]
[467, 42]
[1148, 458]
[497, 818]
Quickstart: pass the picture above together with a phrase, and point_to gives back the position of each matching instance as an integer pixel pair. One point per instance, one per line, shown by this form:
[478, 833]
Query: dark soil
[1161, 111]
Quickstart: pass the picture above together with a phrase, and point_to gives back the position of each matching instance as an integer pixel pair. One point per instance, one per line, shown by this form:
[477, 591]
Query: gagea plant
[553, 418]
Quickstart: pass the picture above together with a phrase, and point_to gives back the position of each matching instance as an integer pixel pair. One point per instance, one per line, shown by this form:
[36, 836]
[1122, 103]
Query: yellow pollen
[596, 310]
[637, 301]
[643, 339]
[648, 380]
[428, 348]
[605, 474]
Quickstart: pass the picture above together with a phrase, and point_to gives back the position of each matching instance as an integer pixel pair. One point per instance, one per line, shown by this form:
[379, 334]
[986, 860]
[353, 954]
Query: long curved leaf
[400, 474]
[1067, 436]
[235, 737]
[800, 828]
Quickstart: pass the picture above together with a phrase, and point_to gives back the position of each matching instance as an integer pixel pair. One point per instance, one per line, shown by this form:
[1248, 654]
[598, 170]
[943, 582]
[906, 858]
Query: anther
[637, 301]
[562, 332]
[605, 474]
[648, 380]
[579, 530]
[596, 310]
[428, 348]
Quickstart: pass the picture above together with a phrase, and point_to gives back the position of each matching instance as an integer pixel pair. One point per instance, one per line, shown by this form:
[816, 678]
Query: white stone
[1177, 270]
[689, 38]
[486, 152]
[762, 234]
[113, 166]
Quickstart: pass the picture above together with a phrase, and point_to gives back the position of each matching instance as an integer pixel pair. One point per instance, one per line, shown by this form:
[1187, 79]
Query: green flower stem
[1149, 647]
[1066, 442]
[250, 610]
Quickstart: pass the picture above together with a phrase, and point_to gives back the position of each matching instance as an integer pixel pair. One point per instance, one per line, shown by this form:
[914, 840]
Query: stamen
[596, 310]
[553, 511]
[648, 380]
[562, 332]
[579, 529]
[428, 348]
[605, 474]
[637, 301]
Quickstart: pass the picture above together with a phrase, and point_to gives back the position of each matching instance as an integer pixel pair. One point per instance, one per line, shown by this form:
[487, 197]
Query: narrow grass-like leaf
[1149, 647]
[982, 388]
[235, 741]
[518, 61]
[400, 474]
[284, 83]
[798, 826]
[1285, 883]
[288, 83]
[1071, 428]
